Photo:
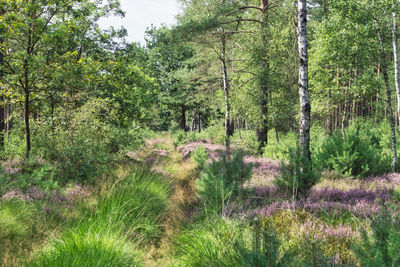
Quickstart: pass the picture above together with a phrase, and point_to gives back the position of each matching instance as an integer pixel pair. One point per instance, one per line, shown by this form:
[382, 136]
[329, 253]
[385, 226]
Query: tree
[305, 106]
[31, 30]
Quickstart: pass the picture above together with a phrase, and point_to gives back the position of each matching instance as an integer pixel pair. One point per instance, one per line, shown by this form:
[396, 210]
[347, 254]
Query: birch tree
[305, 106]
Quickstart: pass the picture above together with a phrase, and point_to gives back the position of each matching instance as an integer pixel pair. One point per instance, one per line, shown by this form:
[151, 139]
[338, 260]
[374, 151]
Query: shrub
[275, 150]
[353, 153]
[246, 140]
[384, 246]
[297, 175]
[179, 138]
[263, 249]
[200, 156]
[83, 144]
[222, 180]
[215, 132]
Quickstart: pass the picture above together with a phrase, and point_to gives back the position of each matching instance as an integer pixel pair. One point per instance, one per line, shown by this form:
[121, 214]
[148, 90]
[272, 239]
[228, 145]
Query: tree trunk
[2, 99]
[199, 122]
[396, 63]
[183, 118]
[27, 126]
[225, 87]
[305, 106]
[262, 131]
[389, 96]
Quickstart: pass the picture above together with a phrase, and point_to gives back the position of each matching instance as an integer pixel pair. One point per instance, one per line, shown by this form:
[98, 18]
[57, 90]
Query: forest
[249, 133]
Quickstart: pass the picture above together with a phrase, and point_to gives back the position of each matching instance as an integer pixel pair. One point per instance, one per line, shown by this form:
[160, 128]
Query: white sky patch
[141, 14]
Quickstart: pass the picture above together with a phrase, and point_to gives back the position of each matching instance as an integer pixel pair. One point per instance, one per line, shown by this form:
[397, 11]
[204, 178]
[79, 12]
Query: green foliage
[264, 248]
[89, 249]
[353, 153]
[222, 180]
[215, 133]
[137, 205]
[246, 140]
[131, 213]
[15, 217]
[382, 249]
[179, 138]
[200, 156]
[210, 243]
[84, 143]
[297, 175]
[275, 150]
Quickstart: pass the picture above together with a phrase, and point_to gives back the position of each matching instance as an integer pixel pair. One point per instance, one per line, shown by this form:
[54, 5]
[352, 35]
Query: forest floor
[40, 219]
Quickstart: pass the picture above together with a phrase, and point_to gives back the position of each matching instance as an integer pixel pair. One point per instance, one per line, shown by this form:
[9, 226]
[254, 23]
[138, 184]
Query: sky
[141, 14]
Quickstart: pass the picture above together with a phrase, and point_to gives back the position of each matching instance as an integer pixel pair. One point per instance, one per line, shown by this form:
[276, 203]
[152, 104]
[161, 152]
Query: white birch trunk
[396, 63]
[305, 106]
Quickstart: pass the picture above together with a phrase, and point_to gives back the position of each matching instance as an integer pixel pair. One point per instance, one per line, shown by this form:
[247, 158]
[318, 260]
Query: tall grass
[111, 234]
[82, 248]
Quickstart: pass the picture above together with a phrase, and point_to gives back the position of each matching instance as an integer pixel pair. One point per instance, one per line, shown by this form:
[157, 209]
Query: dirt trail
[160, 156]
[174, 163]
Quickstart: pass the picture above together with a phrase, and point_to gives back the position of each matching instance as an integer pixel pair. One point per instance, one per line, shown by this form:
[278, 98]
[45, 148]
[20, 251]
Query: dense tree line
[239, 64]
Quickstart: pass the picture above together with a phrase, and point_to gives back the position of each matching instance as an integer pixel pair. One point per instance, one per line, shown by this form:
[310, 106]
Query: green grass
[82, 248]
[137, 205]
[208, 243]
[113, 231]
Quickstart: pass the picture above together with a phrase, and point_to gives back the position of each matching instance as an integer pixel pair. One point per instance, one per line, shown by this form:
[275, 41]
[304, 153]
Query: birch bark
[305, 106]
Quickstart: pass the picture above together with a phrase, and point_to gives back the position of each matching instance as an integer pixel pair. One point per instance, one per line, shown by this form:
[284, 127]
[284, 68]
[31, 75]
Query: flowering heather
[265, 191]
[351, 196]
[15, 194]
[76, 193]
[322, 232]
[35, 193]
[360, 209]
[57, 197]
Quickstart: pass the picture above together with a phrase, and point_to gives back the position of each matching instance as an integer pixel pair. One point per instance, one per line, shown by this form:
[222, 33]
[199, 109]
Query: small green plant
[353, 153]
[179, 138]
[264, 248]
[222, 180]
[297, 175]
[200, 156]
[382, 248]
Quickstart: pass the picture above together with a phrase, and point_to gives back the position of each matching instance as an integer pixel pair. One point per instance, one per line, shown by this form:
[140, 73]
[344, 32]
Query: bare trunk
[262, 131]
[305, 106]
[27, 126]
[183, 118]
[2, 99]
[396, 63]
[225, 86]
[199, 122]
[389, 96]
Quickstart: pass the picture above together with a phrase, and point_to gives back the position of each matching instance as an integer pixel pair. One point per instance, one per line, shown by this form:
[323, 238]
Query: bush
[297, 175]
[383, 249]
[354, 153]
[215, 133]
[179, 138]
[263, 249]
[222, 180]
[83, 144]
[246, 140]
[200, 156]
[275, 150]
